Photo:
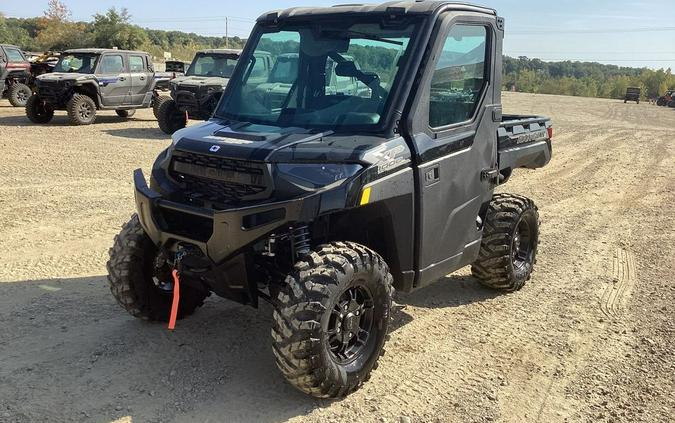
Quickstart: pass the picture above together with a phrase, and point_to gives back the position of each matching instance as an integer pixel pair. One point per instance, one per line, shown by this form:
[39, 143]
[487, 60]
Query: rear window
[14, 55]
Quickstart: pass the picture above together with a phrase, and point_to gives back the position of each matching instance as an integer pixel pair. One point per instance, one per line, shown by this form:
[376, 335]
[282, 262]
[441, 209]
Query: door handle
[142, 78]
[431, 176]
[121, 78]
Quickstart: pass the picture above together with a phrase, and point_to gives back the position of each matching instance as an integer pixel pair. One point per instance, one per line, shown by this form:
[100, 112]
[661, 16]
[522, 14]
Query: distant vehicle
[14, 75]
[196, 94]
[633, 94]
[176, 67]
[44, 63]
[665, 99]
[87, 80]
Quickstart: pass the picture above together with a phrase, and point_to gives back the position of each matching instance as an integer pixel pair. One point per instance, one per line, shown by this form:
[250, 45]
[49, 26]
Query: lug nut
[351, 334]
[338, 330]
[357, 312]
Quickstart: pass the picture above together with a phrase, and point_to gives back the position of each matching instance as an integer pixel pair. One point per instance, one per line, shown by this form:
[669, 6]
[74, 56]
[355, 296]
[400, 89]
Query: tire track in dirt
[616, 295]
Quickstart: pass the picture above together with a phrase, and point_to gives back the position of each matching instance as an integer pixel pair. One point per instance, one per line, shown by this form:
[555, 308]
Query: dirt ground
[591, 338]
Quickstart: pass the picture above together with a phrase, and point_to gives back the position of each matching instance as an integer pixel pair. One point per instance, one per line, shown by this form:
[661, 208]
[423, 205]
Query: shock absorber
[300, 241]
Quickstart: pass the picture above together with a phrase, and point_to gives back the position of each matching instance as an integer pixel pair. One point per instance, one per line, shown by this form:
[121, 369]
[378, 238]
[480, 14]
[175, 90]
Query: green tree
[114, 30]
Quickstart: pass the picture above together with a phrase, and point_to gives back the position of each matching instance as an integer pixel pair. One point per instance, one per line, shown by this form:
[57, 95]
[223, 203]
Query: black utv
[196, 94]
[87, 80]
[324, 202]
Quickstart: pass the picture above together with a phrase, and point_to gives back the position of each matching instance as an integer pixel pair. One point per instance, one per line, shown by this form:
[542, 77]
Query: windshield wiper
[364, 35]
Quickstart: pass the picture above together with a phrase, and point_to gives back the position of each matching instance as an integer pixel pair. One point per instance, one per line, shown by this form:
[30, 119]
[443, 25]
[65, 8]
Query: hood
[270, 144]
[199, 81]
[51, 77]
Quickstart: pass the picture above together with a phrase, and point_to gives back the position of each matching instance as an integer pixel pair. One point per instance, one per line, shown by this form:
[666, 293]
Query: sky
[623, 32]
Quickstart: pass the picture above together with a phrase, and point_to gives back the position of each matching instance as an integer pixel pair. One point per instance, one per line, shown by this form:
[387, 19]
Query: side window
[136, 64]
[111, 64]
[14, 55]
[460, 76]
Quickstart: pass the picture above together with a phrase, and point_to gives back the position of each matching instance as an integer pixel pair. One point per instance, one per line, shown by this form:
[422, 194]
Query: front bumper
[219, 234]
[196, 102]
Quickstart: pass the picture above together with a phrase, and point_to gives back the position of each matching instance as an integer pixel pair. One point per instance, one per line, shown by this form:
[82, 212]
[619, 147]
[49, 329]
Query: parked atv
[665, 99]
[196, 94]
[323, 202]
[87, 80]
[14, 75]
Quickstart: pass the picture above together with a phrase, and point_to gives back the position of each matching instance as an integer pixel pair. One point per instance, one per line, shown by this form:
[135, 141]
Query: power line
[592, 31]
[198, 19]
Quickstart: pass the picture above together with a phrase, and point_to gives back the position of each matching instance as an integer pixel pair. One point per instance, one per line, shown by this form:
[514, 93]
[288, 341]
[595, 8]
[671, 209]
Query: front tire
[81, 110]
[37, 111]
[508, 250]
[157, 102]
[140, 282]
[170, 118]
[126, 114]
[19, 94]
[331, 319]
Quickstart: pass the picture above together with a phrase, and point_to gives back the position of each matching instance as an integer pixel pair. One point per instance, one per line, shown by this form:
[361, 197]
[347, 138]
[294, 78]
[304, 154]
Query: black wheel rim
[85, 111]
[521, 245]
[350, 326]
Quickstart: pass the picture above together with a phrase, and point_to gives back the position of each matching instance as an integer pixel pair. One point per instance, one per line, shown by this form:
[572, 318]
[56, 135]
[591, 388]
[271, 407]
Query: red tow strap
[176, 299]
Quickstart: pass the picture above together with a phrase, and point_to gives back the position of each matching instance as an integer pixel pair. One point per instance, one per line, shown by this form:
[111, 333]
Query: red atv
[666, 99]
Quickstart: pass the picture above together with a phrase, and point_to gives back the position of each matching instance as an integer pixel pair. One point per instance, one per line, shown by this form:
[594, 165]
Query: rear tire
[135, 281]
[19, 94]
[170, 118]
[331, 319]
[508, 250]
[81, 110]
[37, 111]
[125, 113]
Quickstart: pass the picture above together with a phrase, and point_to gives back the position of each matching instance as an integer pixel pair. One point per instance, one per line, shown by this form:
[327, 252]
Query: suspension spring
[300, 241]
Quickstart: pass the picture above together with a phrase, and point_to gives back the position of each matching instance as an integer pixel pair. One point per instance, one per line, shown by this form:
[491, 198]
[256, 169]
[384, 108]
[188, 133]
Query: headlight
[316, 175]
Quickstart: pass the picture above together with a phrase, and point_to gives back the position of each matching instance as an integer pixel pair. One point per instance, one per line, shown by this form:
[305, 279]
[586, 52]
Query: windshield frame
[193, 64]
[96, 56]
[391, 106]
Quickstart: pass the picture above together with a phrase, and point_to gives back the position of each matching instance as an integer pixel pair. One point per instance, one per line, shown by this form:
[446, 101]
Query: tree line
[55, 30]
[585, 79]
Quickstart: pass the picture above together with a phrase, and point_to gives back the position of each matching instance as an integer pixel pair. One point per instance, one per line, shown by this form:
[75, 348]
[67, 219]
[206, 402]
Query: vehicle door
[3, 68]
[454, 121]
[114, 80]
[141, 78]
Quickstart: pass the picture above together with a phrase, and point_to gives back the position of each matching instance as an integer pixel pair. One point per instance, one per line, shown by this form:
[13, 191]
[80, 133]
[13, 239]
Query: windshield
[77, 63]
[218, 65]
[319, 75]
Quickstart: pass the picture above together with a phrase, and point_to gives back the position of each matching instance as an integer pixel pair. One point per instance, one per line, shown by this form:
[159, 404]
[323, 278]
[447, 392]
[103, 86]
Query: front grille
[219, 180]
[51, 91]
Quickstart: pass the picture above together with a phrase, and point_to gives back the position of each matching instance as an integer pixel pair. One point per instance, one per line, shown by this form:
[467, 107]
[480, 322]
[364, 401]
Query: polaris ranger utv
[87, 80]
[196, 94]
[326, 202]
[14, 75]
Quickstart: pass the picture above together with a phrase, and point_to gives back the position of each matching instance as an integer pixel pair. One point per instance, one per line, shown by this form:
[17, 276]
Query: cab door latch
[491, 175]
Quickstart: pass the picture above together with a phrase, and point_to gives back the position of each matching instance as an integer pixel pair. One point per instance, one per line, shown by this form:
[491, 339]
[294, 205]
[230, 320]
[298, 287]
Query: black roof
[422, 7]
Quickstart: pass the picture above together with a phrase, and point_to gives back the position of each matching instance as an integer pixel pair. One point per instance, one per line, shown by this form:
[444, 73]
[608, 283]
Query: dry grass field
[591, 338]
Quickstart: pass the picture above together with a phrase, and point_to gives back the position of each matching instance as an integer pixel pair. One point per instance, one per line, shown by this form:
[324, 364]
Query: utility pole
[227, 40]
